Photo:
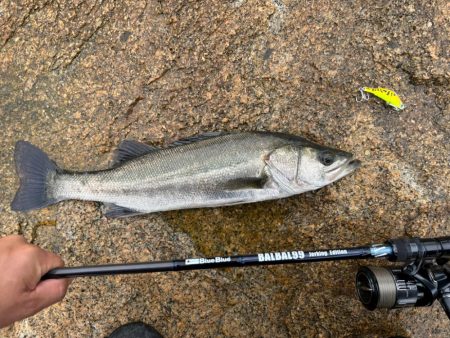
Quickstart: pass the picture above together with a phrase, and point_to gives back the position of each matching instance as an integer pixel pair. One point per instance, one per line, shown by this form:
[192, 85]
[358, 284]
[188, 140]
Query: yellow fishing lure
[388, 96]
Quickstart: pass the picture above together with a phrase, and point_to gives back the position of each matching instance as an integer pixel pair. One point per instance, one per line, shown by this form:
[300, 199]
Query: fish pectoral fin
[244, 183]
[129, 149]
[111, 210]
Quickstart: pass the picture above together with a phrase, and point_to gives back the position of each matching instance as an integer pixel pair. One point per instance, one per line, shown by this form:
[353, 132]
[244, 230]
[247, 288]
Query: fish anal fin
[130, 149]
[111, 210]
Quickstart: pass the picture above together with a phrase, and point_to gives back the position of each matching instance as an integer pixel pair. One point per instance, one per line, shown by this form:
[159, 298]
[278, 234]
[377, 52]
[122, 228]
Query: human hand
[22, 294]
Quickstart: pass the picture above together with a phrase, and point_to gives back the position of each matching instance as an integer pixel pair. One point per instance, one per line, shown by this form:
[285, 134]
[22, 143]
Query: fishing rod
[424, 277]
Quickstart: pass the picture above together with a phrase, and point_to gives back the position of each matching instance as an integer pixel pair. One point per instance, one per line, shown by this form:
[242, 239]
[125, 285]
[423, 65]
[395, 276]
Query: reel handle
[445, 302]
[442, 279]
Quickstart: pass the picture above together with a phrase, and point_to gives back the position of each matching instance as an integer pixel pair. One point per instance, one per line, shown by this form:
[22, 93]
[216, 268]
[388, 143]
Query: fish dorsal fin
[111, 210]
[196, 138]
[129, 149]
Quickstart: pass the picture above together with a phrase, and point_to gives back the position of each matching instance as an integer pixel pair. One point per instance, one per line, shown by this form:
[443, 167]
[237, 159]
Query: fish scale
[173, 172]
[205, 171]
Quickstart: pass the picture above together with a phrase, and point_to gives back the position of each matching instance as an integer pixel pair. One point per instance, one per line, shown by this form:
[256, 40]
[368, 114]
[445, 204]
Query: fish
[208, 170]
[390, 97]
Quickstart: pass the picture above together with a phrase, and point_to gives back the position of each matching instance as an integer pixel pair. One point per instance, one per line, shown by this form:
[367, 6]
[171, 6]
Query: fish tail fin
[35, 171]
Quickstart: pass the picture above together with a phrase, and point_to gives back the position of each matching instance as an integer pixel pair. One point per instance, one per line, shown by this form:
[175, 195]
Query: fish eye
[326, 158]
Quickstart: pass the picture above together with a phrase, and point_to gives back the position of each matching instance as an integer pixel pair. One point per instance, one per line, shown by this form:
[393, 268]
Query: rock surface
[77, 77]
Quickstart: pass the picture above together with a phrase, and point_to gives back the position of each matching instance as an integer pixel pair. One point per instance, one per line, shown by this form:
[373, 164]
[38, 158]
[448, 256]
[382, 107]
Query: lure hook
[364, 95]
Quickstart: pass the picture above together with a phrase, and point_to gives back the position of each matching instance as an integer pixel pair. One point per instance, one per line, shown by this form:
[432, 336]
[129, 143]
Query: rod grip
[409, 249]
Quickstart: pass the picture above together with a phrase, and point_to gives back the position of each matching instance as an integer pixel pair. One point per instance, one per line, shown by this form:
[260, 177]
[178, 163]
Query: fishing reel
[424, 278]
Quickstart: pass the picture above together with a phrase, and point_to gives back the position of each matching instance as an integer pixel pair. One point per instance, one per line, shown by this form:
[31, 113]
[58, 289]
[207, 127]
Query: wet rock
[76, 78]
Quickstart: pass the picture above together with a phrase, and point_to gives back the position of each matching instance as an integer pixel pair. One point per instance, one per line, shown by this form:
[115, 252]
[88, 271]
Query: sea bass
[209, 170]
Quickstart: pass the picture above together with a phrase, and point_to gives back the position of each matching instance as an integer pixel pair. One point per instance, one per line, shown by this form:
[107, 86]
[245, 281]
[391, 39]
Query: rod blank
[267, 258]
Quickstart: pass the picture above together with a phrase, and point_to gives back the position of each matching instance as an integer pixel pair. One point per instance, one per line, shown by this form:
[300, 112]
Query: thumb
[49, 292]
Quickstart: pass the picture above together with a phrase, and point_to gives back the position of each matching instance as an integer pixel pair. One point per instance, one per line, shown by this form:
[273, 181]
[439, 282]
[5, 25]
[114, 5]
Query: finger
[45, 294]
[48, 261]
[42, 262]
[48, 292]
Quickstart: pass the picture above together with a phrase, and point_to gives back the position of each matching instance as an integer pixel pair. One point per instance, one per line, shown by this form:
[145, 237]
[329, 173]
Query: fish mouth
[353, 164]
[348, 166]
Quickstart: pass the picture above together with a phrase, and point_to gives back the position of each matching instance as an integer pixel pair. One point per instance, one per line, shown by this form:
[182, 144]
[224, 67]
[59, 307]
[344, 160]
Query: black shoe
[135, 330]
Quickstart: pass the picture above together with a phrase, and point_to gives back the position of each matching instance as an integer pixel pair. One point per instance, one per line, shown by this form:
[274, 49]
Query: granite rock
[77, 77]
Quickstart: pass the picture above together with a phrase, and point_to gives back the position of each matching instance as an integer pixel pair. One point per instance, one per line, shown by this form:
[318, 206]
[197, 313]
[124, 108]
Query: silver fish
[210, 170]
